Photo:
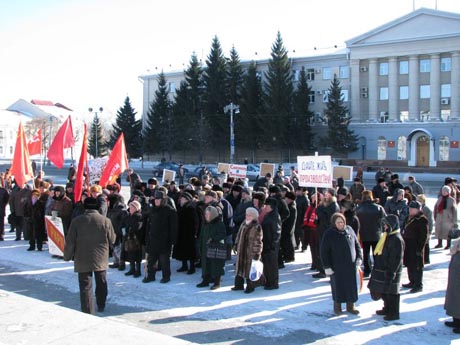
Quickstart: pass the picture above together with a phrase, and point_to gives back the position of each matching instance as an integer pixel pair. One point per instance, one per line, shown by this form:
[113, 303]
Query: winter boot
[216, 284]
[204, 283]
[131, 269]
[121, 266]
[137, 270]
[114, 265]
[447, 244]
[337, 308]
[31, 248]
[439, 245]
[150, 278]
[351, 308]
[191, 270]
[184, 267]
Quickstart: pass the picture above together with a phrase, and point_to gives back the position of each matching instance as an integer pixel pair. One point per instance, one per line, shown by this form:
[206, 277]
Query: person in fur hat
[398, 206]
[388, 263]
[445, 216]
[64, 207]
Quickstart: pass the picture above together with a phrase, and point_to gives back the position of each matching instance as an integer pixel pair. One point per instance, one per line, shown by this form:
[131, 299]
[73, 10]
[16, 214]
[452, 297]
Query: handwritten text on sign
[315, 171]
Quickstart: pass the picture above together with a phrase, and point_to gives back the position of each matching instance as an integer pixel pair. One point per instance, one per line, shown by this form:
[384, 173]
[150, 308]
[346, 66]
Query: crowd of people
[205, 220]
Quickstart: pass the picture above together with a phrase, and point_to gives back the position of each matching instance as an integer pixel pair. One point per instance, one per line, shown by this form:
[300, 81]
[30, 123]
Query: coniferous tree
[278, 93]
[339, 137]
[131, 128]
[234, 77]
[301, 133]
[215, 96]
[159, 135]
[250, 127]
[97, 146]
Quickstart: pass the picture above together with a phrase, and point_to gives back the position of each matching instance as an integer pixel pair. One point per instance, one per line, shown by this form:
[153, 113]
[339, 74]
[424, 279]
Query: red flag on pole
[63, 140]
[35, 144]
[82, 166]
[117, 163]
[21, 168]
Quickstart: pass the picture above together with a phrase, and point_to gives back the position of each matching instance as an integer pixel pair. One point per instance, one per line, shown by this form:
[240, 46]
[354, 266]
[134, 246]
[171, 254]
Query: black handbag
[132, 244]
[453, 233]
[216, 250]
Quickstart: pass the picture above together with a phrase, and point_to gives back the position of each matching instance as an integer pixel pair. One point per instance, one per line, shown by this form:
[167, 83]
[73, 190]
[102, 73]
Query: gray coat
[452, 303]
[445, 220]
[88, 241]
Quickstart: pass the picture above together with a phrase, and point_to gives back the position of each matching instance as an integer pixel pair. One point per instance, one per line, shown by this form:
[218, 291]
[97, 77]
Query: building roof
[39, 108]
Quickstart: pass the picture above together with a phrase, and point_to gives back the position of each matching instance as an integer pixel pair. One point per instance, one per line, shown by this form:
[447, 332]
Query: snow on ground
[302, 304]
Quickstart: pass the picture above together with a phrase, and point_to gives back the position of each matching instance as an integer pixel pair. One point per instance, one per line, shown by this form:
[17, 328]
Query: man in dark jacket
[398, 206]
[394, 184]
[415, 237]
[287, 240]
[271, 228]
[4, 198]
[324, 212]
[370, 215]
[301, 203]
[162, 235]
[381, 191]
[283, 210]
[87, 243]
[263, 182]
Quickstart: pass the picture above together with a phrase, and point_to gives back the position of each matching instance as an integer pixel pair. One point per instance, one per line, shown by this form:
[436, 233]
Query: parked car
[253, 172]
[158, 169]
[196, 172]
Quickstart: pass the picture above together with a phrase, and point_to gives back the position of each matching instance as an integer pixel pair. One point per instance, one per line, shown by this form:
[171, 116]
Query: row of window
[425, 92]
[444, 145]
[424, 66]
[1, 150]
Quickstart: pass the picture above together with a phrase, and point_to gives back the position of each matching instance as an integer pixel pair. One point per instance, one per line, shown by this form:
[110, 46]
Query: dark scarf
[443, 204]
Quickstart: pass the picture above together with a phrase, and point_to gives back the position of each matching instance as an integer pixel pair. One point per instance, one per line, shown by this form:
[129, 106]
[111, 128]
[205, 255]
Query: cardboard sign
[223, 167]
[168, 176]
[56, 238]
[238, 171]
[267, 168]
[345, 172]
[315, 171]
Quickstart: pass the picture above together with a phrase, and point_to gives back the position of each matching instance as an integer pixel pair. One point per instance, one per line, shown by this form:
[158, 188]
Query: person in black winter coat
[386, 274]
[370, 216]
[283, 210]
[188, 223]
[38, 234]
[341, 255]
[162, 235]
[381, 191]
[398, 206]
[415, 237]
[117, 213]
[4, 198]
[394, 184]
[271, 228]
[133, 239]
[301, 233]
[287, 241]
[263, 182]
[326, 208]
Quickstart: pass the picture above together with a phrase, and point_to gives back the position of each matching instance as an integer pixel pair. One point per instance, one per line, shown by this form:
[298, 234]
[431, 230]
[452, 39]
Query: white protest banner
[168, 176]
[56, 238]
[238, 171]
[315, 171]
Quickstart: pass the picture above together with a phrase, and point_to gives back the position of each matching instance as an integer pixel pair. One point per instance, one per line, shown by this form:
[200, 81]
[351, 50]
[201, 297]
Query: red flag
[21, 168]
[63, 140]
[35, 144]
[117, 163]
[82, 166]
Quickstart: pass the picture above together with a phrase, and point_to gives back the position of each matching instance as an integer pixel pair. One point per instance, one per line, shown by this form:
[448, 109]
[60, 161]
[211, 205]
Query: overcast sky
[89, 53]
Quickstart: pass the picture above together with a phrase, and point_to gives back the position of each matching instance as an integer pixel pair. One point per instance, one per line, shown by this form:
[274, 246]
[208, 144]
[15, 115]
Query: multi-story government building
[400, 81]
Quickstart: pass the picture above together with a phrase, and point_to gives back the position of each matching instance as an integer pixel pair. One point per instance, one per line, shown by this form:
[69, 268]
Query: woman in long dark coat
[341, 255]
[187, 230]
[386, 275]
[133, 239]
[38, 222]
[213, 231]
[452, 303]
[248, 247]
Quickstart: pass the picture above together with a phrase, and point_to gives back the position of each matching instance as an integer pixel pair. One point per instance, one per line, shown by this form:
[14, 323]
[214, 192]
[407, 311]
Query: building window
[11, 150]
[446, 64]
[383, 93]
[424, 115]
[296, 74]
[327, 73]
[404, 92]
[425, 66]
[383, 68]
[384, 116]
[311, 96]
[1, 150]
[1, 135]
[402, 148]
[403, 116]
[381, 149]
[444, 148]
[344, 95]
[344, 72]
[445, 115]
[11, 134]
[425, 91]
[404, 67]
[311, 74]
[445, 91]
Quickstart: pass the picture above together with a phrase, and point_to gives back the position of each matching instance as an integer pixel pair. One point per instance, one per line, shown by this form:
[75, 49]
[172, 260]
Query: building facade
[400, 82]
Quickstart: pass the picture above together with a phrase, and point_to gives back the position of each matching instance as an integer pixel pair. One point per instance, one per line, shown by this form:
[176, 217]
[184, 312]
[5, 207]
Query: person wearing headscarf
[134, 239]
[117, 214]
[341, 255]
[248, 246]
[38, 235]
[64, 207]
[388, 263]
[213, 231]
[445, 216]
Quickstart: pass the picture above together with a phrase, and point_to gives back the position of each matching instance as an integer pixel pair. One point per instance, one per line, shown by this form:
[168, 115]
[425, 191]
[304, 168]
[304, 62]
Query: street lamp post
[233, 108]
[95, 129]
